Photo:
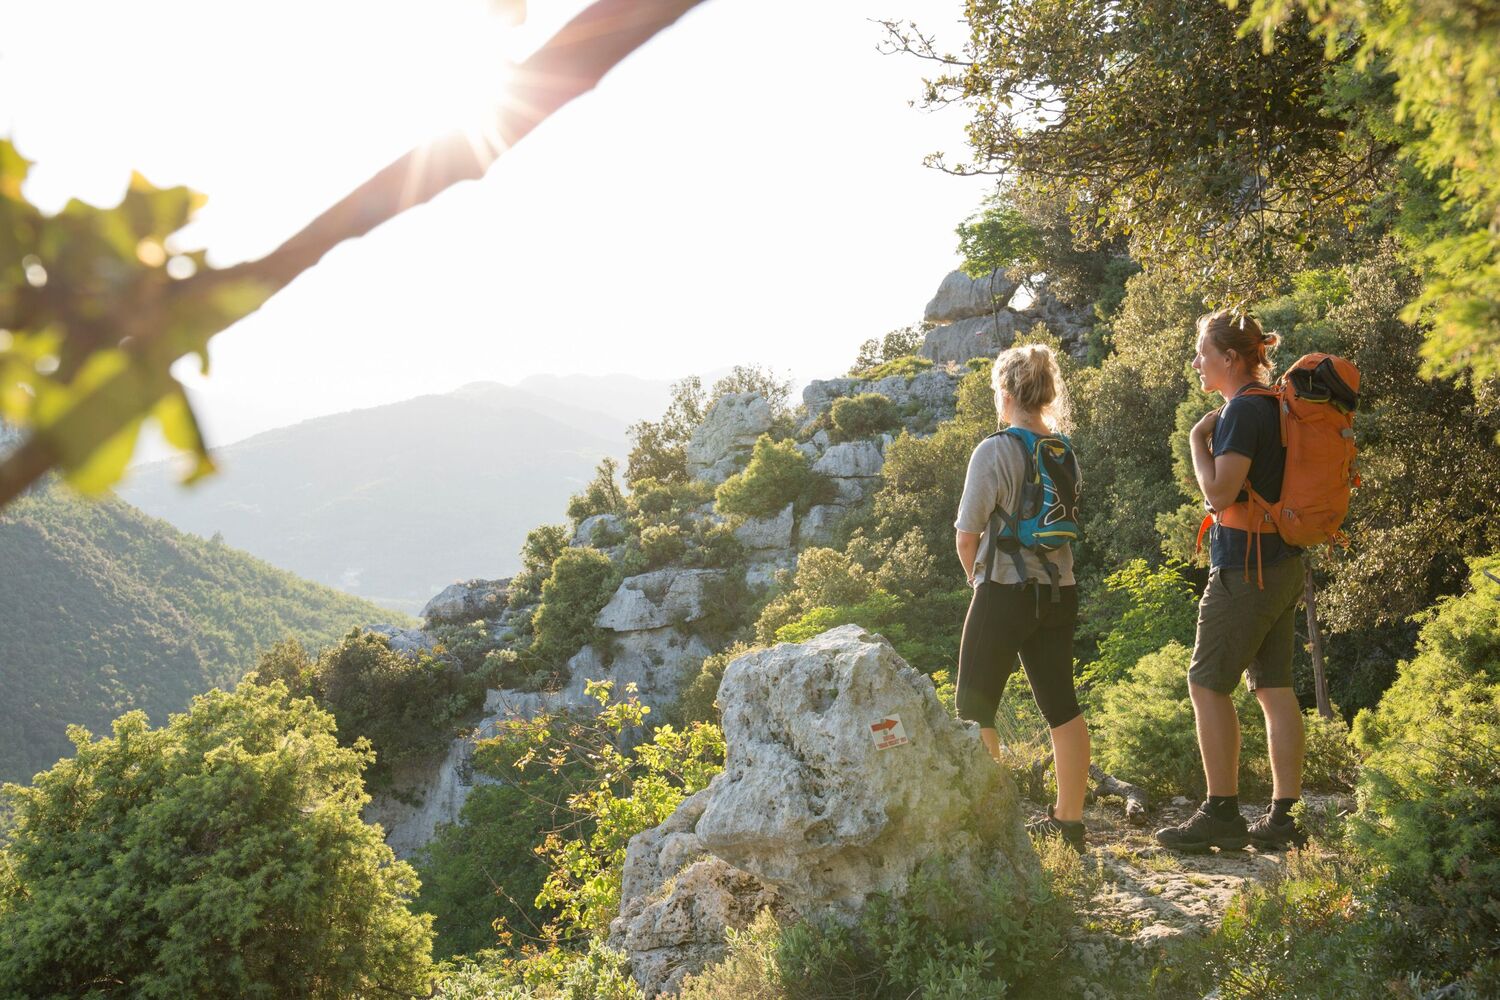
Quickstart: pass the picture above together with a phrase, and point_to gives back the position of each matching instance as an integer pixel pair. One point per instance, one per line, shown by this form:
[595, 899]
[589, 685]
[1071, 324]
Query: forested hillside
[104, 610]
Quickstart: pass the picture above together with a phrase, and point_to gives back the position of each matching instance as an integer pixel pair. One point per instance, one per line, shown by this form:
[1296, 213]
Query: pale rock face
[659, 662]
[599, 531]
[466, 602]
[976, 337]
[760, 575]
[672, 933]
[728, 433]
[653, 600]
[761, 533]
[810, 817]
[851, 459]
[820, 524]
[961, 297]
[407, 641]
[819, 394]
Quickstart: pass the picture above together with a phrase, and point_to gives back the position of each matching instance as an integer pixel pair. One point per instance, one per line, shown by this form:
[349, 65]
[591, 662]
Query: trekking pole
[1315, 643]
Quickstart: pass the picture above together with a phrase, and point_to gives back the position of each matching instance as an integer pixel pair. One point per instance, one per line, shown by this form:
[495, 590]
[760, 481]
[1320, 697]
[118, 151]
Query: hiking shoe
[1269, 835]
[1069, 831]
[1203, 831]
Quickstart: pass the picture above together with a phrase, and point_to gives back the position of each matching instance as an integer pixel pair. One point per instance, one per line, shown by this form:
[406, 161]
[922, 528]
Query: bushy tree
[221, 855]
[543, 545]
[581, 583]
[601, 496]
[897, 345]
[407, 707]
[1430, 784]
[863, 416]
[778, 474]
[1144, 609]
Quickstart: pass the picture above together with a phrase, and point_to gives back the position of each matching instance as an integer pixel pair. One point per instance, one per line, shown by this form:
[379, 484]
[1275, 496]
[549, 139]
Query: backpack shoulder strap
[1001, 518]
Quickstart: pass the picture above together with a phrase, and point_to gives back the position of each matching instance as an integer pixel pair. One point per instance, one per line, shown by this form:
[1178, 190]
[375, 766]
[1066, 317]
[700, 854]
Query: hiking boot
[1267, 834]
[1203, 831]
[1069, 831]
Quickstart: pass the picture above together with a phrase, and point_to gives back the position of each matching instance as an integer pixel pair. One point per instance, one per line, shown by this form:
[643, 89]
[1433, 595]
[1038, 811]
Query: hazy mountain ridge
[395, 502]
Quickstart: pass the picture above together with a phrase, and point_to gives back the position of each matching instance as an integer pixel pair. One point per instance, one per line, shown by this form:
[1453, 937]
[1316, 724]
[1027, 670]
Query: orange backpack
[1315, 399]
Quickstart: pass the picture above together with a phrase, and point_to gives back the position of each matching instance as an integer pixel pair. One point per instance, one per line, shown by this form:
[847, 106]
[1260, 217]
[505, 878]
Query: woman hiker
[1025, 602]
[1246, 616]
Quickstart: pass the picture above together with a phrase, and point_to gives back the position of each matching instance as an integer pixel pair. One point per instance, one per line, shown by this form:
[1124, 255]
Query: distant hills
[395, 502]
[104, 609]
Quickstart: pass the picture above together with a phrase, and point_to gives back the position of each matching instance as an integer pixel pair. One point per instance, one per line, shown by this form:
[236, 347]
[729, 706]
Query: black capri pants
[1010, 619]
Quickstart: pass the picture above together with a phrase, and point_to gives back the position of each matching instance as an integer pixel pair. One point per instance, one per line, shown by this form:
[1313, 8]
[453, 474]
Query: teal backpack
[1048, 515]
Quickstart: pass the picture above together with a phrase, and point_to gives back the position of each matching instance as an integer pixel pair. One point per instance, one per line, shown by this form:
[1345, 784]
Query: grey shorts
[1243, 629]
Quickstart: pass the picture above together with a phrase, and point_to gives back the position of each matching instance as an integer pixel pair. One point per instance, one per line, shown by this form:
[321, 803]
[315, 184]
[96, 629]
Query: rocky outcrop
[720, 444]
[979, 324]
[977, 337]
[658, 661]
[431, 796]
[923, 399]
[820, 525]
[962, 297]
[759, 534]
[467, 602]
[843, 773]
[599, 531]
[654, 600]
[409, 641]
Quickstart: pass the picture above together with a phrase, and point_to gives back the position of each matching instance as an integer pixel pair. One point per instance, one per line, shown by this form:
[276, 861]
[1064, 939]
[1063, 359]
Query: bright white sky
[747, 188]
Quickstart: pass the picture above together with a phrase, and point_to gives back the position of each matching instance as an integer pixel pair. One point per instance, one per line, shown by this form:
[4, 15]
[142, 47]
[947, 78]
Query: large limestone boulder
[961, 297]
[977, 337]
[810, 804]
[728, 432]
[843, 774]
[654, 600]
[466, 602]
[765, 533]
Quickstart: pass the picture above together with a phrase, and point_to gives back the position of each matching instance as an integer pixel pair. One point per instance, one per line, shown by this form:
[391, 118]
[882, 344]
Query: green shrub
[1430, 783]
[778, 474]
[662, 544]
[543, 545]
[1330, 762]
[907, 365]
[1140, 610]
[407, 707]
[863, 416]
[1320, 933]
[895, 348]
[1144, 730]
[601, 496]
[581, 583]
[222, 854]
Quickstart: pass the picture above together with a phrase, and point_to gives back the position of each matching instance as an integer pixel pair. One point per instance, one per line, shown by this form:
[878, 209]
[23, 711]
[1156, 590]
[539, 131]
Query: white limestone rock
[659, 662]
[961, 297]
[762, 574]
[977, 337]
[720, 444]
[761, 533]
[653, 600]
[809, 816]
[851, 459]
[820, 525]
[407, 641]
[468, 601]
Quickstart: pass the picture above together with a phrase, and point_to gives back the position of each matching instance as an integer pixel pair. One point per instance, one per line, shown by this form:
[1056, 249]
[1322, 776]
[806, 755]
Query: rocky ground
[1151, 894]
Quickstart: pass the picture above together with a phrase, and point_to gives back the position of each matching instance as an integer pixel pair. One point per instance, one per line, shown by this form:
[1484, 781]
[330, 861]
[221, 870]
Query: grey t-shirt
[996, 470]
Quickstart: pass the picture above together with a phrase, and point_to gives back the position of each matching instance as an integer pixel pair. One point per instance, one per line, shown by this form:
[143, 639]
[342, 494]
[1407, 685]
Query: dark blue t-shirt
[1249, 425]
